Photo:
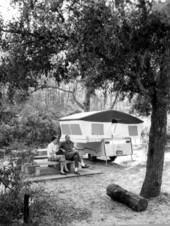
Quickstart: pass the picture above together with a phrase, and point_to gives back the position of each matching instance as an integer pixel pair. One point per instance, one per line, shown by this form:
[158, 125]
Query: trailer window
[65, 129]
[97, 129]
[75, 129]
[133, 130]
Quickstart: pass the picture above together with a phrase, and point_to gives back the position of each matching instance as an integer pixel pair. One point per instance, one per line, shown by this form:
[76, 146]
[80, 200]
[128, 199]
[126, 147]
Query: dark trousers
[74, 156]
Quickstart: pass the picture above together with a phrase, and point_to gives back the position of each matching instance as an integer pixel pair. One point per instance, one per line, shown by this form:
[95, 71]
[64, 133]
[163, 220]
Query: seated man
[54, 154]
[71, 153]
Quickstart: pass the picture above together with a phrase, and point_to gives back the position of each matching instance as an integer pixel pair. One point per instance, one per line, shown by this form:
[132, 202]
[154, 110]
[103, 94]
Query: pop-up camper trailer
[102, 133]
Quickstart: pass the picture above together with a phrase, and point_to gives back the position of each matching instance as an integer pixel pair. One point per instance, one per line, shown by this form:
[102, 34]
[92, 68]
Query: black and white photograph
[84, 112]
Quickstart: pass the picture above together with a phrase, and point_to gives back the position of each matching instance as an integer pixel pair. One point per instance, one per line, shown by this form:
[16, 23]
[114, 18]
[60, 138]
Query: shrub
[11, 201]
[45, 210]
[35, 130]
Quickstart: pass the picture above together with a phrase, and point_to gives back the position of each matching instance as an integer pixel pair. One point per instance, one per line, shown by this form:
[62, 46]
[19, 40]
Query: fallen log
[136, 202]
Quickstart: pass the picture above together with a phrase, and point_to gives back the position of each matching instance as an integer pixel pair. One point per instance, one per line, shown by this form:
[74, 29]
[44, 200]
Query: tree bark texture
[155, 159]
[157, 137]
[130, 199]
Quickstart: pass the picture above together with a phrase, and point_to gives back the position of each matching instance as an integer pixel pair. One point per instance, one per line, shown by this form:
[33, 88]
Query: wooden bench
[42, 155]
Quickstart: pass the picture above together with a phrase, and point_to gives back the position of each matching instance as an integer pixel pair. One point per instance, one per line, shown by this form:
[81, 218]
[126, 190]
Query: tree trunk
[132, 200]
[105, 96]
[155, 159]
[88, 93]
[157, 137]
[115, 100]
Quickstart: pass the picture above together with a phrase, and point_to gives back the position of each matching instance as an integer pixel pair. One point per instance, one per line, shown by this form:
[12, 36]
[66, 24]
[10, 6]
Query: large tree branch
[73, 92]
[115, 100]
[18, 32]
[35, 34]
[140, 85]
[138, 81]
[75, 99]
[51, 87]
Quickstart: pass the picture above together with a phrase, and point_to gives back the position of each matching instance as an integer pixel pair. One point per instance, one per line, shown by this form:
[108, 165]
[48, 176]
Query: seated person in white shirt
[56, 154]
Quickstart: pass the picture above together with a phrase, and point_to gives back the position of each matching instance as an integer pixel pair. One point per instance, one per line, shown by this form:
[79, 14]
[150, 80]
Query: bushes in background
[34, 130]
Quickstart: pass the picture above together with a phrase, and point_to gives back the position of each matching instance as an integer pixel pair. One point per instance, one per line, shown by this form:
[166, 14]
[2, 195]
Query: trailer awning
[103, 116]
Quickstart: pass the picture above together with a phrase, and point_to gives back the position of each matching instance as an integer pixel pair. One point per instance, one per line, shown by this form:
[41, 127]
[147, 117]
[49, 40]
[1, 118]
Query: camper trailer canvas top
[99, 130]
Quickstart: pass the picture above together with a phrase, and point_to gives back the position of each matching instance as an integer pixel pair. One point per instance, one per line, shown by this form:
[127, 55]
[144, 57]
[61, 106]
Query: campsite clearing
[90, 192]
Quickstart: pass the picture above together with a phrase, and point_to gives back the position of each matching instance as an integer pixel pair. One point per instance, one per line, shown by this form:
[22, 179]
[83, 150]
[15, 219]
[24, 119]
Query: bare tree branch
[140, 85]
[115, 100]
[6, 184]
[18, 32]
[51, 87]
[73, 92]
[35, 35]
[74, 97]
[68, 96]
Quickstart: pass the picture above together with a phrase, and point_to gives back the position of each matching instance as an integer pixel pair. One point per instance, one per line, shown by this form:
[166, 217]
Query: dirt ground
[90, 192]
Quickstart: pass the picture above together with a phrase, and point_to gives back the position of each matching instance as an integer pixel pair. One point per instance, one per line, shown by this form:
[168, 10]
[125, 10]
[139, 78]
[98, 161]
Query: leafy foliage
[33, 131]
[44, 208]
[141, 105]
[11, 201]
[31, 44]
[61, 39]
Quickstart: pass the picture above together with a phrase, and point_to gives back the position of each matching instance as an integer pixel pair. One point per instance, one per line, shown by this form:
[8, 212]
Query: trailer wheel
[113, 158]
[92, 157]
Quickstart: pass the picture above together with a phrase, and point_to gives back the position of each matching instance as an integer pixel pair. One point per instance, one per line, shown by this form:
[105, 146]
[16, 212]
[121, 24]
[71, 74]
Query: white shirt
[52, 149]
